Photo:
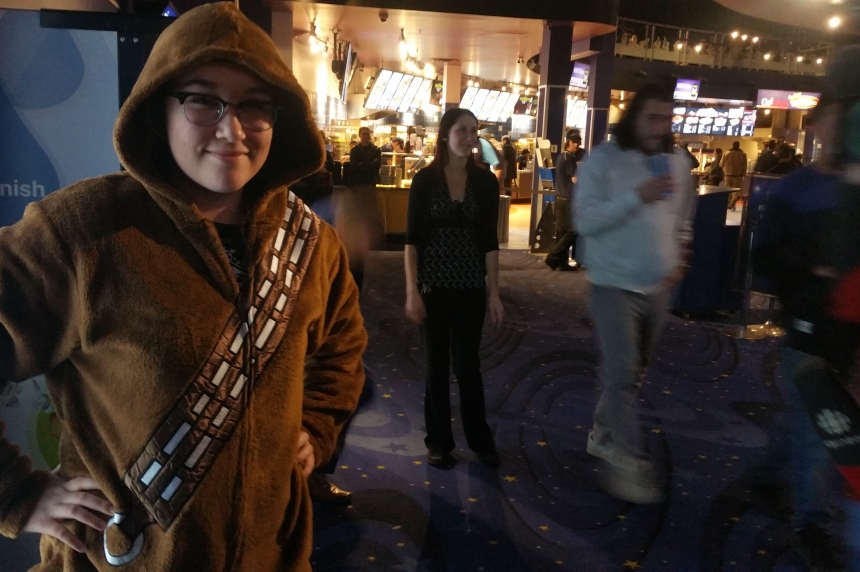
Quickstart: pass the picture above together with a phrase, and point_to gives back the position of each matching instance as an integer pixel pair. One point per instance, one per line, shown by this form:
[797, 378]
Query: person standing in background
[632, 209]
[452, 272]
[509, 153]
[565, 180]
[734, 166]
[767, 159]
[715, 171]
[365, 159]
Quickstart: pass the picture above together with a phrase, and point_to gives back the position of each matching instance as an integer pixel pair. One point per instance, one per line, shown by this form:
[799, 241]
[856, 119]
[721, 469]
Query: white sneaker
[627, 477]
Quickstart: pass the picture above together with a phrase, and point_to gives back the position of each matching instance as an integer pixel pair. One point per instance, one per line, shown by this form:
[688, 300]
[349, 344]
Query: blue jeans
[628, 326]
[811, 470]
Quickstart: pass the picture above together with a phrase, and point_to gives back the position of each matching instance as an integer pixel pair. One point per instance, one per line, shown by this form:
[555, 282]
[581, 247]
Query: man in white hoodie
[632, 208]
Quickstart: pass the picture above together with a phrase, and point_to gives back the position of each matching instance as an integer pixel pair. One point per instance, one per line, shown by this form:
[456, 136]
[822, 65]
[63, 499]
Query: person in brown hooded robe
[197, 325]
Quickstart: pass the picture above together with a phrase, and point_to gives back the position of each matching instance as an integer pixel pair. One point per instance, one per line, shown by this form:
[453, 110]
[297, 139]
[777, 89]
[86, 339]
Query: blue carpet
[708, 406]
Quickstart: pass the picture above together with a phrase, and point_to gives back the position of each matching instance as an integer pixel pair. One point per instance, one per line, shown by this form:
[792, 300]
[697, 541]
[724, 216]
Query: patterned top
[452, 237]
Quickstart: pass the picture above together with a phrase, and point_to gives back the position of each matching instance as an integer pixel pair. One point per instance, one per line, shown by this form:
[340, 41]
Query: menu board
[579, 77]
[398, 91]
[489, 104]
[423, 95]
[378, 87]
[526, 105]
[776, 99]
[576, 113]
[732, 122]
[687, 89]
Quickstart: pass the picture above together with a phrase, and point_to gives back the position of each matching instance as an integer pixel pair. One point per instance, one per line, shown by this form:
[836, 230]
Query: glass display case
[397, 169]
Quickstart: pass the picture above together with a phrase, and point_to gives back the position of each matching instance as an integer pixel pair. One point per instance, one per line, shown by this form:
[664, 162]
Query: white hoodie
[629, 244]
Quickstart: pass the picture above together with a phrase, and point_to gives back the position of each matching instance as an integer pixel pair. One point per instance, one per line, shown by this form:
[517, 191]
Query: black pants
[565, 237]
[453, 329]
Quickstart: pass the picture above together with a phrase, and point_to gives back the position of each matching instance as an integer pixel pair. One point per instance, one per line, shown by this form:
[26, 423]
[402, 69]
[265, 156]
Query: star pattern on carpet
[541, 443]
[472, 499]
[543, 527]
[632, 564]
[511, 479]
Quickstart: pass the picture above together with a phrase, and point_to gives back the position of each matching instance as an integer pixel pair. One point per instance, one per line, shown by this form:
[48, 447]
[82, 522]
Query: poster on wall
[58, 104]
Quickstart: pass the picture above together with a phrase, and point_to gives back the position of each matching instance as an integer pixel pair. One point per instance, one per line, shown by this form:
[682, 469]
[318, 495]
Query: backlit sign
[776, 99]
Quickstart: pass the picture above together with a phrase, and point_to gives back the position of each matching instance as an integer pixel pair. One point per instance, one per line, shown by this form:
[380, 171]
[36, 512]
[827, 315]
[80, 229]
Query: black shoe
[548, 263]
[441, 460]
[490, 458]
[568, 267]
[820, 550]
[324, 491]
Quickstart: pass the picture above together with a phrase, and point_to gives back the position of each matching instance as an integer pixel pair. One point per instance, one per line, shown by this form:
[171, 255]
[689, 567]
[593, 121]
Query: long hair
[625, 131]
[442, 156]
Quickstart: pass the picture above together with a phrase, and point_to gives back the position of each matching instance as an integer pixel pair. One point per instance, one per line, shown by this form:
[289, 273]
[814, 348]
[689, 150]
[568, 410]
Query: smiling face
[223, 157]
[463, 136]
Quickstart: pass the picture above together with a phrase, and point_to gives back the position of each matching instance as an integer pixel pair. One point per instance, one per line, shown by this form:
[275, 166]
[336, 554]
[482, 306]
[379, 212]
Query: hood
[216, 32]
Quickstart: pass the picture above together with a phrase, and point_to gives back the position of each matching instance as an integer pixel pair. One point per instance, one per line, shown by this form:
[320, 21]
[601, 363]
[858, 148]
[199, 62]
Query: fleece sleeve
[20, 487]
[596, 209]
[38, 309]
[334, 375]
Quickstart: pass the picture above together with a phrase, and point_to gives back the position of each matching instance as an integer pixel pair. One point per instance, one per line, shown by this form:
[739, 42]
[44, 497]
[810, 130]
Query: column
[599, 89]
[555, 71]
[451, 85]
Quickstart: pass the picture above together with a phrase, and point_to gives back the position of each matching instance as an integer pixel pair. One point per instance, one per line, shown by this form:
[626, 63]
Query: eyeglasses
[203, 110]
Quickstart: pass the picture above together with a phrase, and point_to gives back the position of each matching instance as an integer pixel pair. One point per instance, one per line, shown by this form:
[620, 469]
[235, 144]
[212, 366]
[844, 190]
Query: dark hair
[625, 131]
[770, 145]
[362, 128]
[397, 140]
[440, 158]
[736, 144]
[784, 151]
[573, 135]
[718, 151]
[506, 139]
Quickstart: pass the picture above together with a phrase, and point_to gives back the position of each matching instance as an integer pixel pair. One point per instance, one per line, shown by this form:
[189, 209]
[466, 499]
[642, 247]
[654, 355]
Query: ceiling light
[767, 56]
[470, 83]
[734, 34]
[819, 61]
[755, 39]
[621, 106]
[799, 59]
[404, 50]
[744, 37]
[698, 48]
[834, 22]
[767, 111]
[679, 45]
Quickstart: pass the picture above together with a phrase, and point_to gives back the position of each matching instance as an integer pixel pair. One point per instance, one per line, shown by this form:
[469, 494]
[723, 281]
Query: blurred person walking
[565, 180]
[632, 209]
[734, 164]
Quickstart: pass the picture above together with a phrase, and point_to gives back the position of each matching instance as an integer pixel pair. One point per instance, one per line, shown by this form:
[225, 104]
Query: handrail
[716, 51]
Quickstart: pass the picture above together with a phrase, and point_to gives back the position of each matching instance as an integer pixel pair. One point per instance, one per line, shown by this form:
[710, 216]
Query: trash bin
[504, 218]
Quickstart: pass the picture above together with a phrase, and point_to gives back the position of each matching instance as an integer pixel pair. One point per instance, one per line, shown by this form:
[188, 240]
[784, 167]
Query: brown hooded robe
[123, 296]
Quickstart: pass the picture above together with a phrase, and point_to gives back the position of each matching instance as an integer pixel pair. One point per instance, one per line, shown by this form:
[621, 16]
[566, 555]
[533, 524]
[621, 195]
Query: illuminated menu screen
[579, 77]
[489, 104]
[576, 113]
[731, 122]
[397, 91]
[526, 105]
[687, 89]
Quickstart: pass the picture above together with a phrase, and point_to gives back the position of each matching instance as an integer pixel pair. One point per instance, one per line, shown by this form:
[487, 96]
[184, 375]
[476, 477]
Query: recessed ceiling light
[834, 22]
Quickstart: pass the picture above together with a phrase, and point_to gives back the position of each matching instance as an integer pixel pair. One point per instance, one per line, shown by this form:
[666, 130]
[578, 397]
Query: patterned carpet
[708, 404]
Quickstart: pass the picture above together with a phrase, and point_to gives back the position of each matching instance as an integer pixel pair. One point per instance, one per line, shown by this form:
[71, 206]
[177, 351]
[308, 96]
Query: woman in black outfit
[452, 262]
